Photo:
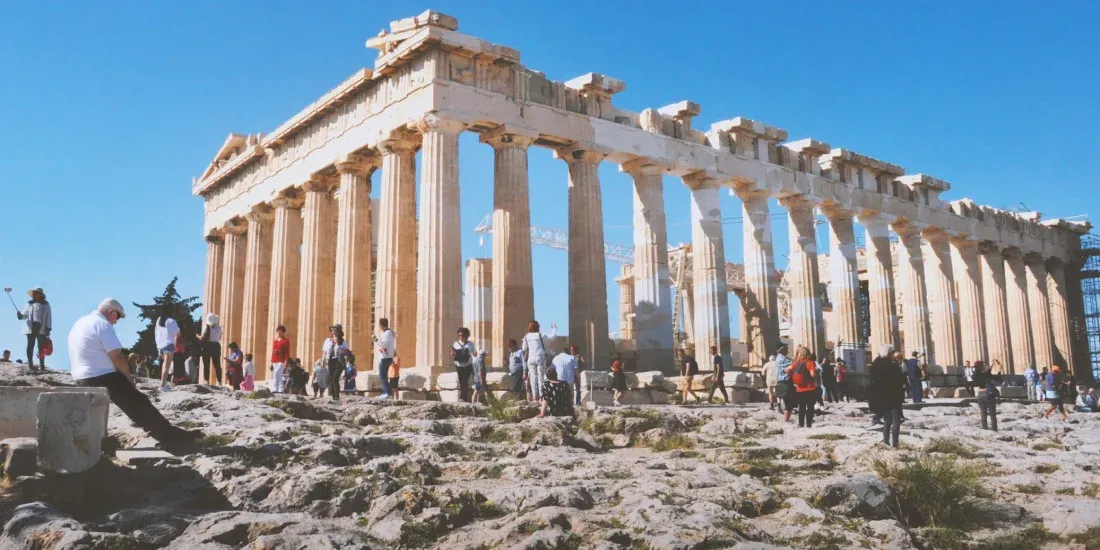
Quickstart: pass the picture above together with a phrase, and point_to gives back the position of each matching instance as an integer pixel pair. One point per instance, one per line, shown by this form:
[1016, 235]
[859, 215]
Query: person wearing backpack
[804, 378]
[987, 402]
[462, 354]
[886, 393]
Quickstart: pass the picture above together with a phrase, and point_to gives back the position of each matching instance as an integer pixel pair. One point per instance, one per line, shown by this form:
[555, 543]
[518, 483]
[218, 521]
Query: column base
[431, 374]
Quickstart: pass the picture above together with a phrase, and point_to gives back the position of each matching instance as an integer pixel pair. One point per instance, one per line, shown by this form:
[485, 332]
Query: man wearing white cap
[96, 358]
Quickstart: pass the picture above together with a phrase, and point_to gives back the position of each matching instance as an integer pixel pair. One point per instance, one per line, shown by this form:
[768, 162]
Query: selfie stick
[8, 291]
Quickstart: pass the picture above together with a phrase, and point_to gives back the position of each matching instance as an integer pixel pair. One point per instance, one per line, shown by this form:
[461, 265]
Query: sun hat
[35, 289]
[211, 319]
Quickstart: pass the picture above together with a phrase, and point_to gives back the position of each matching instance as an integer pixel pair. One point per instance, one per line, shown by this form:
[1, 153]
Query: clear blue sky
[110, 109]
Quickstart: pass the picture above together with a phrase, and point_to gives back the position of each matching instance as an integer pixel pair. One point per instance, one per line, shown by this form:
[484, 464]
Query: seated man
[1086, 401]
[96, 360]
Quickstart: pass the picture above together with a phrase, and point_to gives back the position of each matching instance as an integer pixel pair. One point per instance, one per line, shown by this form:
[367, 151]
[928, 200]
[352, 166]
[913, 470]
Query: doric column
[627, 313]
[352, 302]
[232, 302]
[760, 301]
[1019, 323]
[942, 305]
[807, 319]
[477, 312]
[1039, 304]
[880, 282]
[914, 292]
[587, 272]
[845, 328]
[318, 266]
[995, 300]
[968, 280]
[513, 290]
[286, 272]
[257, 286]
[397, 246]
[439, 270]
[1057, 294]
[652, 284]
[708, 269]
[1077, 329]
[212, 287]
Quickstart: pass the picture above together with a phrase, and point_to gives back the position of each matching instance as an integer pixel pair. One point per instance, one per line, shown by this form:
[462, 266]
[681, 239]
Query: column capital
[643, 166]
[798, 202]
[908, 228]
[935, 234]
[1012, 253]
[284, 201]
[318, 183]
[398, 141]
[357, 163]
[867, 217]
[1054, 262]
[236, 226]
[1034, 258]
[260, 213]
[702, 179]
[582, 152]
[989, 247]
[835, 211]
[508, 136]
[441, 122]
[963, 240]
[215, 238]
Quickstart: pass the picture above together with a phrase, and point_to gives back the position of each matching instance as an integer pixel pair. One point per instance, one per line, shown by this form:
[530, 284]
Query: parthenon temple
[289, 224]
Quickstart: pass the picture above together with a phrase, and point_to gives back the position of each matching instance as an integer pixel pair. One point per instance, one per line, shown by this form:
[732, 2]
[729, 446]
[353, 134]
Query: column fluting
[966, 271]
[708, 268]
[880, 282]
[995, 298]
[257, 286]
[232, 287]
[317, 282]
[942, 304]
[1057, 294]
[396, 297]
[652, 284]
[1019, 324]
[286, 272]
[914, 292]
[352, 302]
[807, 326]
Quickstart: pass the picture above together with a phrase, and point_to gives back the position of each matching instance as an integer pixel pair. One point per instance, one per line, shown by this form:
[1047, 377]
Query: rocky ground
[274, 472]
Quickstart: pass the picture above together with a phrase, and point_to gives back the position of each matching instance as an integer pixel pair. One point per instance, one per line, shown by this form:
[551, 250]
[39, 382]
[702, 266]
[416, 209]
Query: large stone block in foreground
[71, 427]
[19, 407]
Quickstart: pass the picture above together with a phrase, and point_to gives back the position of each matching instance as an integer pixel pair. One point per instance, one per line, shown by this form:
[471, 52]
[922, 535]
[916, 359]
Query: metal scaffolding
[1090, 291]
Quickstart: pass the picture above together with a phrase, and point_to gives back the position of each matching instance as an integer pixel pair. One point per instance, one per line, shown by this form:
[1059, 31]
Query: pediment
[235, 144]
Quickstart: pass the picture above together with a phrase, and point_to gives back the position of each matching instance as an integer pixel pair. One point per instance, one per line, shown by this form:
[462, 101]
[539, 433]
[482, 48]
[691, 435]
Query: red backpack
[802, 375]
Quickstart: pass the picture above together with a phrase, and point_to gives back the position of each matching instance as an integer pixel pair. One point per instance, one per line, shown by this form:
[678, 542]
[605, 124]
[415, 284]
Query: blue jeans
[891, 426]
[915, 390]
[384, 374]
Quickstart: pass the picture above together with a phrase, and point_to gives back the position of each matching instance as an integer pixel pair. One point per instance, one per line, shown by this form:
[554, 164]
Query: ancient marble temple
[289, 224]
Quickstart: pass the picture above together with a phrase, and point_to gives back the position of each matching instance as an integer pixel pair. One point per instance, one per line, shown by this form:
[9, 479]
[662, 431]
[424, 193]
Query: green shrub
[950, 447]
[931, 490]
[1034, 537]
[1029, 489]
[1046, 468]
[217, 440]
[672, 442]
[827, 437]
[1090, 538]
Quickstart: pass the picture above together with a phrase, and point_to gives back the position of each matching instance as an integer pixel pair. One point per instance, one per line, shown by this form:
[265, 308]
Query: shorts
[688, 380]
[170, 348]
[478, 385]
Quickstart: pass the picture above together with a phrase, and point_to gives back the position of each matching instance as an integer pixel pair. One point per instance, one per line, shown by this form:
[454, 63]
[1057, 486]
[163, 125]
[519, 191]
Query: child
[394, 375]
[618, 379]
[298, 378]
[516, 369]
[479, 376]
[191, 365]
[233, 367]
[320, 378]
[137, 366]
[249, 373]
[349, 373]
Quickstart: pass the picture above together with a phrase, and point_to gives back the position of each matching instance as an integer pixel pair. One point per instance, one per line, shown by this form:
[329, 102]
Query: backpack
[801, 376]
[462, 354]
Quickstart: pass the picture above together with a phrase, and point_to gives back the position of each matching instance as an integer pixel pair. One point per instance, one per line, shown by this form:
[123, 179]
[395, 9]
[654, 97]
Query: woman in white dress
[164, 332]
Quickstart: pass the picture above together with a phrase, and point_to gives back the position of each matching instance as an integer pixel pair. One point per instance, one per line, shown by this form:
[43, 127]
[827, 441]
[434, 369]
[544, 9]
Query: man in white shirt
[566, 366]
[386, 343]
[96, 358]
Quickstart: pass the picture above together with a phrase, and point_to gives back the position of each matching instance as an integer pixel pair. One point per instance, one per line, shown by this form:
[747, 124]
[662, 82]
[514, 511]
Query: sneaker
[617, 404]
[165, 388]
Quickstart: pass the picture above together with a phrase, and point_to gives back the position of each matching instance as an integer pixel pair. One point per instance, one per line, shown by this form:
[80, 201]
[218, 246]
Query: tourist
[395, 372]
[164, 333]
[1051, 389]
[885, 393]
[211, 342]
[784, 389]
[462, 354]
[96, 360]
[234, 363]
[334, 351]
[1086, 401]
[912, 374]
[828, 380]
[771, 378]
[191, 365]
[516, 369]
[297, 378]
[320, 378]
[137, 366]
[179, 358]
[555, 394]
[718, 379]
[535, 351]
[386, 343]
[804, 377]
[987, 402]
[995, 368]
[883, 360]
[39, 317]
[842, 382]
[6, 357]
[247, 381]
[350, 373]
[689, 367]
[1040, 390]
[618, 380]
[564, 366]
[481, 386]
[925, 382]
[968, 374]
[280, 354]
[1031, 378]
[578, 360]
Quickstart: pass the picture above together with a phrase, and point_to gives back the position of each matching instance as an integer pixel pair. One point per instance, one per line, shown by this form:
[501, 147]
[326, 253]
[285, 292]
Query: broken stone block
[943, 392]
[412, 381]
[71, 427]
[20, 455]
[1014, 392]
[597, 378]
[407, 395]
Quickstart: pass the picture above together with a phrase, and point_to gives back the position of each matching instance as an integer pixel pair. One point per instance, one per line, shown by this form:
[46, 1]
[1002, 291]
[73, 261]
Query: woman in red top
[280, 354]
[804, 377]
